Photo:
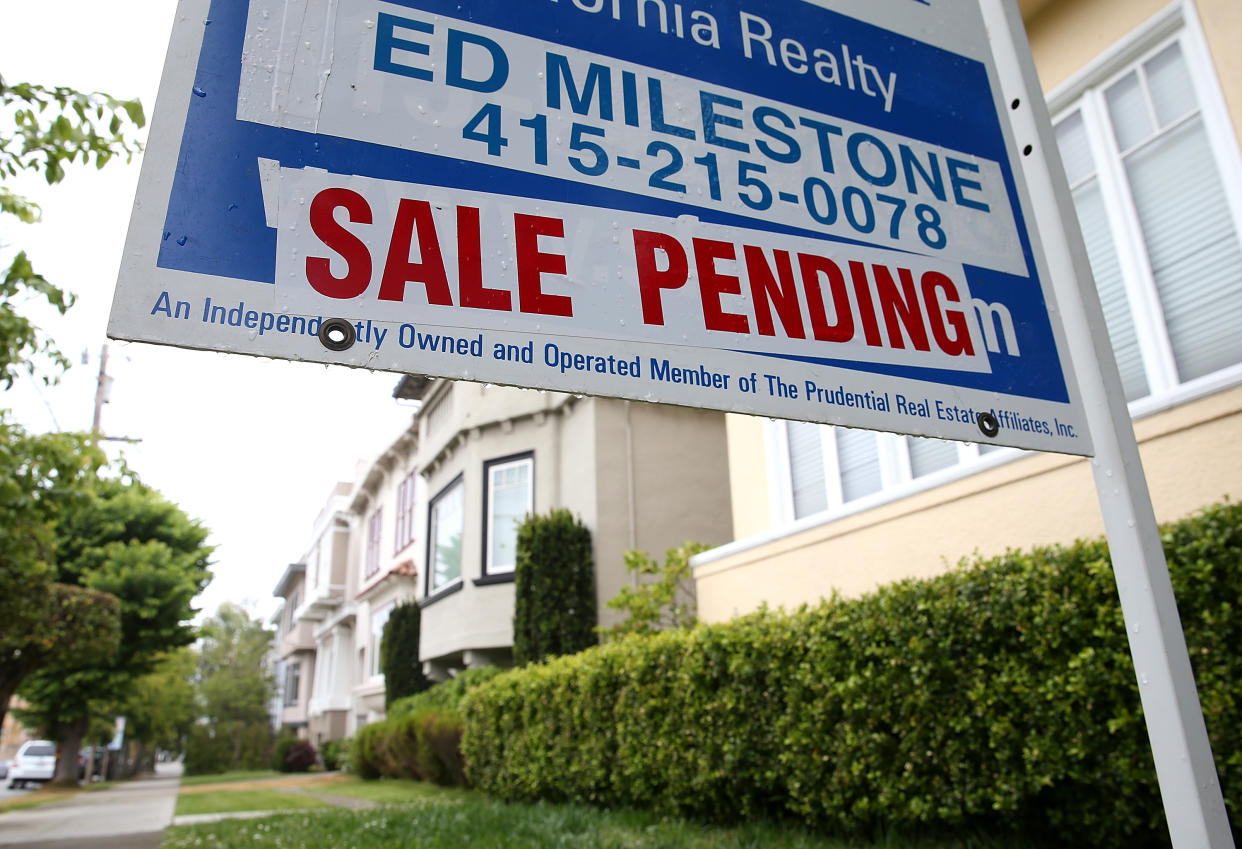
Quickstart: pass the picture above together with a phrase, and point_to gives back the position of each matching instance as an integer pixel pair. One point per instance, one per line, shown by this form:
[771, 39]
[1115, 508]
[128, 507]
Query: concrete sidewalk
[132, 815]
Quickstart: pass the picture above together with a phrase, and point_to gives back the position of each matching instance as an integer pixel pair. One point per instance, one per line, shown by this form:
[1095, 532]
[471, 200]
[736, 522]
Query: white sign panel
[805, 210]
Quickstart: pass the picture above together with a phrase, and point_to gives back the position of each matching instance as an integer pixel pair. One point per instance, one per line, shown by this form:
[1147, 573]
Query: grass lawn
[421, 816]
[396, 791]
[229, 777]
[221, 801]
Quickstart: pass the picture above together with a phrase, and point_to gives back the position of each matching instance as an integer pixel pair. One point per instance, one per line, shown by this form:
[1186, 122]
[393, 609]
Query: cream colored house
[433, 519]
[1146, 99]
[295, 648]
[640, 476]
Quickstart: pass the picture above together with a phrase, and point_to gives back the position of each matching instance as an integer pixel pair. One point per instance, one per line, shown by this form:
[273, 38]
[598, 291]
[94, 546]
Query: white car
[34, 761]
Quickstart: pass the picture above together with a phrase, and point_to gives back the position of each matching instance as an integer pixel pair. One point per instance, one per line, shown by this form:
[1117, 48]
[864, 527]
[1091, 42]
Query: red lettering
[650, 278]
[766, 293]
[470, 290]
[901, 308]
[866, 309]
[713, 284]
[398, 270]
[352, 249]
[531, 264]
[933, 282]
[812, 267]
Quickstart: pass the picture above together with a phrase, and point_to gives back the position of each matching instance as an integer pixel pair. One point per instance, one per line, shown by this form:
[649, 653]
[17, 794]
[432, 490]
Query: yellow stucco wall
[1191, 453]
[1066, 35]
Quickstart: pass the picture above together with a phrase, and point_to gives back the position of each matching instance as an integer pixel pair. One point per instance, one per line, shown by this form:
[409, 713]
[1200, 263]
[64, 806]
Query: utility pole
[103, 393]
[103, 388]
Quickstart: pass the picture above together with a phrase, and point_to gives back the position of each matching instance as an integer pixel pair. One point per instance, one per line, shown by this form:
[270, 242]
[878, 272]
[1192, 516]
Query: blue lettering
[386, 42]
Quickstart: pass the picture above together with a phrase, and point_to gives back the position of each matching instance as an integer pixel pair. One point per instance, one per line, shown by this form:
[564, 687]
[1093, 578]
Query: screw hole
[988, 425]
[1016, 103]
[337, 334]
[1026, 151]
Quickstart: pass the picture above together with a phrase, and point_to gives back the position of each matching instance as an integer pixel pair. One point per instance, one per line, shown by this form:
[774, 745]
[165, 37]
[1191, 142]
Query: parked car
[35, 761]
[97, 769]
[4, 769]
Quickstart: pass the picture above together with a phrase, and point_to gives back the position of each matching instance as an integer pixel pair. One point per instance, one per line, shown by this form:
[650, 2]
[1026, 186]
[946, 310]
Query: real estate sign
[810, 210]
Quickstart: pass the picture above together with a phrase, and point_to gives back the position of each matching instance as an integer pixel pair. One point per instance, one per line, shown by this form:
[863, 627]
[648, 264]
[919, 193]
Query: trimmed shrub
[421, 738]
[554, 588]
[228, 746]
[335, 753]
[302, 756]
[403, 674]
[281, 748]
[999, 697]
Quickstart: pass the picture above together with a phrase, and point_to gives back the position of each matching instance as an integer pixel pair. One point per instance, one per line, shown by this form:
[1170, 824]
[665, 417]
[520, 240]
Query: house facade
[295, 650]
[433, 520]
[1146, 101]
[639, 476]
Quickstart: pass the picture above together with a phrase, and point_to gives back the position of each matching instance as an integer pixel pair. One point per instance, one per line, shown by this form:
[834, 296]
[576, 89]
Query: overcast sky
[250, 447]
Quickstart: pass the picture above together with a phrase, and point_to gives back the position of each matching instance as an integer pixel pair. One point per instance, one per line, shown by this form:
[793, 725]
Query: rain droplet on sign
[183, 240]
[198, 92]
[368, 23]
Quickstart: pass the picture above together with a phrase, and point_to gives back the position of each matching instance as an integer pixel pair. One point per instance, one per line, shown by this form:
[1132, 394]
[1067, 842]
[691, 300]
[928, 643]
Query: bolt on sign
[811, 210]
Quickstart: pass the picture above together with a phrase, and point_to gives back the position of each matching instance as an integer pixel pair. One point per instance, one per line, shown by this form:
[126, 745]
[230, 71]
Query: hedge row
[421, 738]
[999, 697]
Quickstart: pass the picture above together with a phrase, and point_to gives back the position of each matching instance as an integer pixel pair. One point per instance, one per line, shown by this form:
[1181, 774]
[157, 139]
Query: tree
[554, 606]
[160, 707]
[662, 596]
[41, 478]
[127, 540]
[234, 691]
[403, 674]
[44, 129]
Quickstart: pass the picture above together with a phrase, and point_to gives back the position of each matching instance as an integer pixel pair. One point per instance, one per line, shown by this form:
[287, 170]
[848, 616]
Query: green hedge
[421, 738]
[554, 588]
[998, 697]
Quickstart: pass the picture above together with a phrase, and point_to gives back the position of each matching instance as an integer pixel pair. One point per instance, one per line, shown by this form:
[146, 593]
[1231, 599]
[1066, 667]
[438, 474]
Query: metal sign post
[1193, 802]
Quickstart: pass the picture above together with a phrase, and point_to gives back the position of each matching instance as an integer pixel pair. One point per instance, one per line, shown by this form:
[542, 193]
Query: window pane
[446, 530]
[1102, 253]
[510, 502]
[860, 462]
[1075, 149]
[1193, 248]
[930, 455]
[1168, 80]
[806, 468]
[1128, 109]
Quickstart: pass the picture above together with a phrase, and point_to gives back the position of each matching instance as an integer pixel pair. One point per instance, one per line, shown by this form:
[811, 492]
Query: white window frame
[376, 639]
[896, 478]
[490, 469]
[1178, 22]
[458, 482]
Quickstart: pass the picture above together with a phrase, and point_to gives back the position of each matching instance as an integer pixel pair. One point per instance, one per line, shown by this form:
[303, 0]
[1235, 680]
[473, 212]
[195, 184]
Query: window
[1161, 230]
[295, 598]
[508, 498]
[375, 527]
[1156, 188]
[293, 680]
[378, 618]
[444, 533]
[829, 467]
[405, 512]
